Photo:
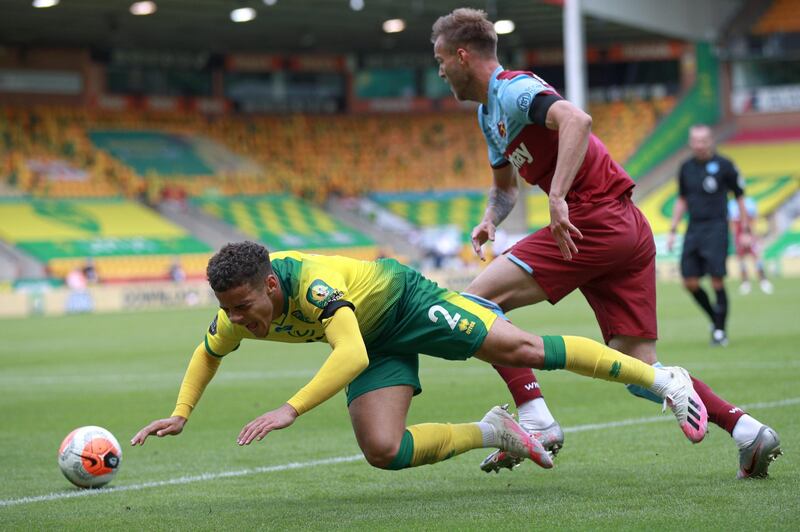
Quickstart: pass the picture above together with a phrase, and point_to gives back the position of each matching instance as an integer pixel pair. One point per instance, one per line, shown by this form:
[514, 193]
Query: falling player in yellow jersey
[377, 316]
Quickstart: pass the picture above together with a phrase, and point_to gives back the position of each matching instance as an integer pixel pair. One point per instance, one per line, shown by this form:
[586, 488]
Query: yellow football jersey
[310, 285]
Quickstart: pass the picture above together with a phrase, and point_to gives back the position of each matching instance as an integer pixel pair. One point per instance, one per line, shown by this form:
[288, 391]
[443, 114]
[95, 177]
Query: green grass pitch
[120, 371]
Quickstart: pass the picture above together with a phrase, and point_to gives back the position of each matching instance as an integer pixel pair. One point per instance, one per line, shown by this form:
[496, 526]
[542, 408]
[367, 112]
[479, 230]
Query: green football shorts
[426, 319]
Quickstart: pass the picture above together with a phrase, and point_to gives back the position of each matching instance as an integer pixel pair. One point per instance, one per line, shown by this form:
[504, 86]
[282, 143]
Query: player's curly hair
[236, 264]
[466, 27]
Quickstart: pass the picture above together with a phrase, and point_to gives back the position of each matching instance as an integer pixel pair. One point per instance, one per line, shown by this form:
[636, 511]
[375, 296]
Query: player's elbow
[359, 360]
[584, 121]
[362, 363]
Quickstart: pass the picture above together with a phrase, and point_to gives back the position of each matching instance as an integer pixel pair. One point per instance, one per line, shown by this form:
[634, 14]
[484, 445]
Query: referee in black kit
[704, 182]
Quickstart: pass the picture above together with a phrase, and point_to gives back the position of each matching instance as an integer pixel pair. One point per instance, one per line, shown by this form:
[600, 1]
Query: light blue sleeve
[751, 206]
[516, 97]
[496, 157]
[733, 209]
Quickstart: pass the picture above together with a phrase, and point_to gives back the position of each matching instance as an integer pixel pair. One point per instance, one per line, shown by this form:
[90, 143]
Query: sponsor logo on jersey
[320, 294]
[521, 156]
[532, 386]
[302, 317]
[710, 184]
[212, 329]
[524, 101]
[712, 167]
[296, 333]
[616, 367]
[501, 128]
[304, 334]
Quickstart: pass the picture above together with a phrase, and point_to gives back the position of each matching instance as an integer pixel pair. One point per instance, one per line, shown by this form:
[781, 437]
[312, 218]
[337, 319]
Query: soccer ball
[89, 457]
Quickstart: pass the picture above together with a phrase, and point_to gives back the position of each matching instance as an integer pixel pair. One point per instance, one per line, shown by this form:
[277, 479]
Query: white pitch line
[180, 480]
[326, 461]
[655, 419]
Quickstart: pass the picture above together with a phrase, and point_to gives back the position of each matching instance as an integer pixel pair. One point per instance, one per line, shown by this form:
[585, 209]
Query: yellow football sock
[593, 359]
[434, 442]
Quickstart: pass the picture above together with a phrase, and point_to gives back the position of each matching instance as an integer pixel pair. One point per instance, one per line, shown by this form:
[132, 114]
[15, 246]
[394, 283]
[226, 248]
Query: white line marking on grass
[655, 419]
[326, 461]
[181, 480]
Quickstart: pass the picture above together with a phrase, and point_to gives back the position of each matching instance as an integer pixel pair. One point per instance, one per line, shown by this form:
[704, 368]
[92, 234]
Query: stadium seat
[783, 16]
[63, 234]
[147, 154]
[285, 222]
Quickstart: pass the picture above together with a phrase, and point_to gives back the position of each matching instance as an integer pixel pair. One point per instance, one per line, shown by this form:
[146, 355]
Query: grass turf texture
[121, 371]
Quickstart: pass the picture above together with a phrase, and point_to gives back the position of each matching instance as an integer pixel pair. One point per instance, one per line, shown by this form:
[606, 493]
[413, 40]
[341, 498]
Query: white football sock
[488, 433]
[535, 414]
[746, 430]
[662, 378]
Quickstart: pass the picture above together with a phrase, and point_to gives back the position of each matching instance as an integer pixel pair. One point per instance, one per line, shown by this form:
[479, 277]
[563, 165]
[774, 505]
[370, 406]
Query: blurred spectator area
[73, 152]
[624, 125]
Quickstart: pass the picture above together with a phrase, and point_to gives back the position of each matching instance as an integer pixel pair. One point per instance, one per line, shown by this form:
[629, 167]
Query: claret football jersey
[513, 137]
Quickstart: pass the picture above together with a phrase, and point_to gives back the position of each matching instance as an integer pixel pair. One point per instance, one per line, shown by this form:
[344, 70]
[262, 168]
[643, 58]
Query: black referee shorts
[705, 249]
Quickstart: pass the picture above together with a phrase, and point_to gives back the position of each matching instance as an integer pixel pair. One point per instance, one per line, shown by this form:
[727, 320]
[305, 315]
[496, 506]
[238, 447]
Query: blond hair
[469, 28]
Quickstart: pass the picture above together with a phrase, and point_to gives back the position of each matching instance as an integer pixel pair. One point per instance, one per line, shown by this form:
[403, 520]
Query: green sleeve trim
[209, 350]
[555, 352]
[404, 455]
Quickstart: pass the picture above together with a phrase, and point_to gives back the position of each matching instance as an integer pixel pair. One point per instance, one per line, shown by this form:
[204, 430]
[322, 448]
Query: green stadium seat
[125, 239]
[285, 222]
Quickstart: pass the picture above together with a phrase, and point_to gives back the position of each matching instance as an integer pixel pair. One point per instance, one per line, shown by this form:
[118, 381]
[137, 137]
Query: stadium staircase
[206, 228]
[391, 237]
[15, 264]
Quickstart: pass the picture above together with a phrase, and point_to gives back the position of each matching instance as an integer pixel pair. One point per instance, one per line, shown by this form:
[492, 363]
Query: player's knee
[691, 284]
[381, 454]
[479, 288]
[529, 352]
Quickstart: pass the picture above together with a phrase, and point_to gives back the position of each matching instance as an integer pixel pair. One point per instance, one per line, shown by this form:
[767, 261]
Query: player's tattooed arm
[501, 202]
[502, 195]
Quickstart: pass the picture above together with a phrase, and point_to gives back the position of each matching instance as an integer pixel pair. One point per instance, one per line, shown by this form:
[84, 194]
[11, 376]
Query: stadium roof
[286, 26]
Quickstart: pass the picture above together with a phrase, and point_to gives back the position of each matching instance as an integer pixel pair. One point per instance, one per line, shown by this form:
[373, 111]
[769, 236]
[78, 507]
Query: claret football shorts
[614, 267]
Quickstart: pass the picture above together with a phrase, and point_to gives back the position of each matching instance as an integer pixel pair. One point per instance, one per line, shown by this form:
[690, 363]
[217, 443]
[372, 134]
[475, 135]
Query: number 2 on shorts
[452, 321]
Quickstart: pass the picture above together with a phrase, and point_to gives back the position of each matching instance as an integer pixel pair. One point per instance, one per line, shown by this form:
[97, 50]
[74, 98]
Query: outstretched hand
[562, 229]
[279, 418]
[482, 232]
[170, 426]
